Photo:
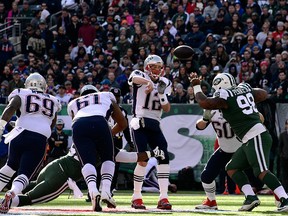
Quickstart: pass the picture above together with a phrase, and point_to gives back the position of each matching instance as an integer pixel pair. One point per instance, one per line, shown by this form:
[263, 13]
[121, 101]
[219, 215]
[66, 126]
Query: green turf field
[183, 204]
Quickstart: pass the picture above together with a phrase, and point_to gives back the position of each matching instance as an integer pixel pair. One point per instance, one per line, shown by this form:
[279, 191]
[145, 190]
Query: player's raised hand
[207, 115]
[161, 87]
[194, 79]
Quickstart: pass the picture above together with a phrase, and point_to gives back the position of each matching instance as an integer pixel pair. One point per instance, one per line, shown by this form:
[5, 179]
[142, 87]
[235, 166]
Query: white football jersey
[147, 105]
[37, 110]
[227, 139]
[94, 104]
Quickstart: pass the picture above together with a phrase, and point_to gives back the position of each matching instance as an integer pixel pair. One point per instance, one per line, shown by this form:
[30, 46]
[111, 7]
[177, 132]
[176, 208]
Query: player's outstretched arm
[202, 99]
[206, 119]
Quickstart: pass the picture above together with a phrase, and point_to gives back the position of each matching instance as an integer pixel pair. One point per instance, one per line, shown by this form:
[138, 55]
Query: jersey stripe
[259, 153]
[232, 80]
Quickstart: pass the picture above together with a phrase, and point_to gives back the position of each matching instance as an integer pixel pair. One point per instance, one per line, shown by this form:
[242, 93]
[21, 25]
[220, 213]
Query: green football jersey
[242, 113]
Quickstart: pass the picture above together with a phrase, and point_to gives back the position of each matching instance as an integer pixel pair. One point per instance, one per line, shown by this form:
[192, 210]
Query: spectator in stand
[209, 42]
[62, 44]
[190, 95]
[87, 32]
[74, 51]
[261, 36]
[181, 13]
[219, 24]
[69, 88]
[208, 25]
[6, 50]
[279, 31]
[46, 34]
[183, 77]
[211, 9]
[36, 44]
[13, 13]
[36, 19]
[205, 75]
[6, 75]
[62, 96]
[25, 13]
[180, 96]
[282, 83]
[16, 82]
[194, 38]
[221, 54]
[73, 29]
[3, 13]
[206, 56]
[63, 20]
[26, 34]
[263, 78]
[250, 44]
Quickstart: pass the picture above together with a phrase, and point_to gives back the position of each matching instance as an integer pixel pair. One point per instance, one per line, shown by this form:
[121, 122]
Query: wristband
[205, 120]
[148, 154]
[163, 99]
[197, 89]
[3, 123]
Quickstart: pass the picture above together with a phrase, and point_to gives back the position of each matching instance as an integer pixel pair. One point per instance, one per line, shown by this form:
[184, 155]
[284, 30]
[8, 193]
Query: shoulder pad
[135, 73]
[222, 93]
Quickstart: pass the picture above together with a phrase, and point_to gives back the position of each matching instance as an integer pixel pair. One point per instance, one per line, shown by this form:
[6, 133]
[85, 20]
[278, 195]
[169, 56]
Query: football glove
[158, 153]
[161, 87]
[207, 115]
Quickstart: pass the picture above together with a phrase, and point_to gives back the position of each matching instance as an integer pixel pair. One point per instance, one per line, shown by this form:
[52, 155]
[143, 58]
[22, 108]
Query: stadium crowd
[102, 42]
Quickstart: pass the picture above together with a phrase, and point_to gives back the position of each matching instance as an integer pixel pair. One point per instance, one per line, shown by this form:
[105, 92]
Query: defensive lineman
[237, 104]
[27, 141]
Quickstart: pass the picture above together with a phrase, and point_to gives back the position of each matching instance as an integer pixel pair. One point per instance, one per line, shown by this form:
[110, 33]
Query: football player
[58, 175]
[27, 141]
[228, 144]
[150, 90]
[238, 105]
[92, 135]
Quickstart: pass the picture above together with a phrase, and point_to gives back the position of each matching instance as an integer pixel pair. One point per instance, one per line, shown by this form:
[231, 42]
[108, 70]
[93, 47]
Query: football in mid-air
[183, 52]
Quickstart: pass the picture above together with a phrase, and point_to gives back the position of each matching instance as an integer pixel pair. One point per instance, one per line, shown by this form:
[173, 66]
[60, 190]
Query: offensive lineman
[228, 144]
[237, 104]
[92, 135]
[150, 90]
[27, 141]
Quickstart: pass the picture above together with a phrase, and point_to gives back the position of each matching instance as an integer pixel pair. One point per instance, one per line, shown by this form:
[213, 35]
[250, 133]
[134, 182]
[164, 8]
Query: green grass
[183, 202]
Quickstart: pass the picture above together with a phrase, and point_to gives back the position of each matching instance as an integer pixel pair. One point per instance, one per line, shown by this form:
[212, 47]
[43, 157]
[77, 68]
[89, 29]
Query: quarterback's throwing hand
[158, 153]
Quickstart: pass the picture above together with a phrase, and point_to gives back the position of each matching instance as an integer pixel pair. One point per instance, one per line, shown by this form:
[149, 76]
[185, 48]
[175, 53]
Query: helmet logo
[217, 81]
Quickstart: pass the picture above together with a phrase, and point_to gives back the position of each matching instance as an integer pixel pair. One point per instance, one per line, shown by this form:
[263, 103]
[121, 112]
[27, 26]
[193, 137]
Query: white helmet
[151, 66]
[35, 81]
[223, 81]
[87, 89]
